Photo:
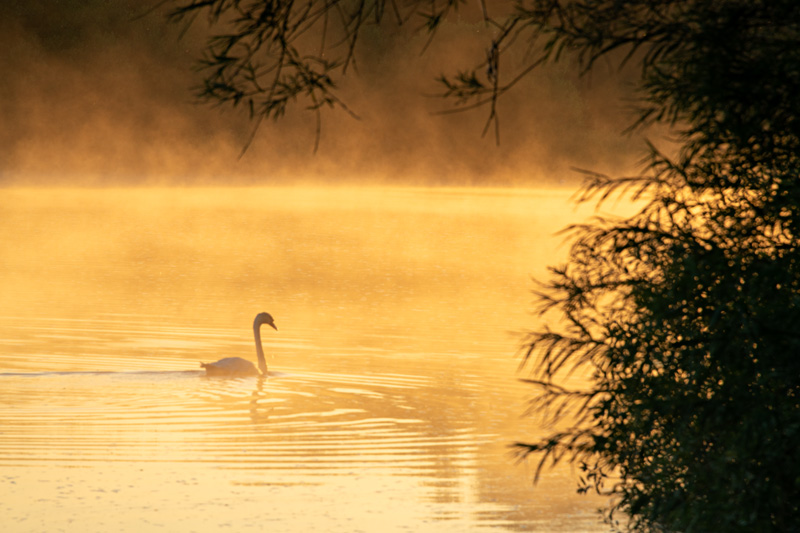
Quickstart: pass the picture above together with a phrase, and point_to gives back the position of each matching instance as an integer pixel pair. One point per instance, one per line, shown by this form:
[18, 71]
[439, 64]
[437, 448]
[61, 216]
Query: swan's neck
[262, 361]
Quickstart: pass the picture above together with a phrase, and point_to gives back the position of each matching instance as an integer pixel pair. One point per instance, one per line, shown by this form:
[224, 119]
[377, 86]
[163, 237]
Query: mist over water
[100, 93]
[392, 397]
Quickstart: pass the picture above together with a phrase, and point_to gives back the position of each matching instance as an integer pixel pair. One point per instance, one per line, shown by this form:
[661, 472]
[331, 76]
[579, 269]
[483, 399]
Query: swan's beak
[273, 326]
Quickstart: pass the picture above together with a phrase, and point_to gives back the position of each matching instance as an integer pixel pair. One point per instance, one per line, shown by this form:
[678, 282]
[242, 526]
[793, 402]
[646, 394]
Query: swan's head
[264, 318]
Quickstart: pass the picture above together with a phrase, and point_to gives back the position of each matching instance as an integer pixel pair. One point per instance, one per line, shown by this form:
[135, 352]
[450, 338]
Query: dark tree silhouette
[685, 315]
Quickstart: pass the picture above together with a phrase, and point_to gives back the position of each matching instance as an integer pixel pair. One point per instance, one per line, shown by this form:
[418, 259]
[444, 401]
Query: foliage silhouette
[685, 315]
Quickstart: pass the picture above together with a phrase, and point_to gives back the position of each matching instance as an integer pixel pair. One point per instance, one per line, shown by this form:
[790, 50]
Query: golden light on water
[393, 394]
[392, 397]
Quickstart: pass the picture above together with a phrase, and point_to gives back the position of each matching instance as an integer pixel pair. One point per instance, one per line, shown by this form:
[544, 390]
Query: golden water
[392, 399]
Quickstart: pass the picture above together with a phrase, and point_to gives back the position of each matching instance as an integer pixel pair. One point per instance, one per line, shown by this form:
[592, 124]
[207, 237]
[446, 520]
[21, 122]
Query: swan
[236, 366]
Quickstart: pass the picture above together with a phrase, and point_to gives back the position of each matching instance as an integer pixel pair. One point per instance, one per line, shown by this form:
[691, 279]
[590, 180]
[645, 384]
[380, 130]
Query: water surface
[392, 397]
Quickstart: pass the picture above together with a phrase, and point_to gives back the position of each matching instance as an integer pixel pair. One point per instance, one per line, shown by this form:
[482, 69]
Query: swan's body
[231, 366]
[236, 366]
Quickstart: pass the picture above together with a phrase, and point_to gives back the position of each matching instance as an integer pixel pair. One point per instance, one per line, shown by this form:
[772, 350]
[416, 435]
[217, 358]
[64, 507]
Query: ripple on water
[314, 422]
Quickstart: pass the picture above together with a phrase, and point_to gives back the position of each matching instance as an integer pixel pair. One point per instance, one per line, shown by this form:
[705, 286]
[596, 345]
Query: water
[392, 398]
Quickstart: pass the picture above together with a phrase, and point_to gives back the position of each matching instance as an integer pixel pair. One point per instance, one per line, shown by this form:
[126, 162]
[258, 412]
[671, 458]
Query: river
[393, 395]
